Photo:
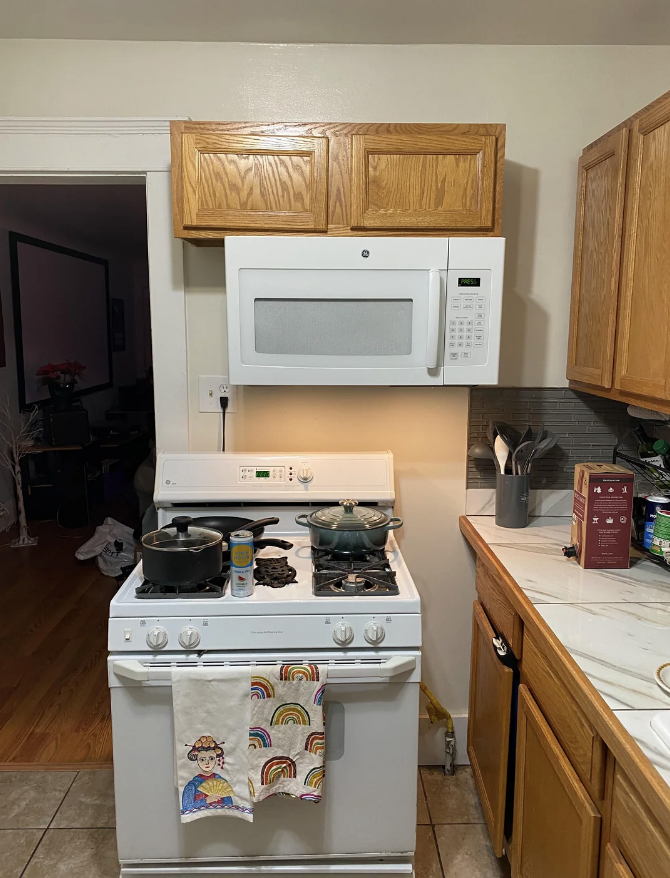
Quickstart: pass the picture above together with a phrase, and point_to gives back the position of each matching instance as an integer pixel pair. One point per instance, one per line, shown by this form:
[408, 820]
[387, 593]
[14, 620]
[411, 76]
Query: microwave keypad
[466, 339]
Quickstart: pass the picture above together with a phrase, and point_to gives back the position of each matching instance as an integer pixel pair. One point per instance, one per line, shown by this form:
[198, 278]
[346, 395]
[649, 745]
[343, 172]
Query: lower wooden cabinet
[636, 832]
[556, 825]
[489, 725]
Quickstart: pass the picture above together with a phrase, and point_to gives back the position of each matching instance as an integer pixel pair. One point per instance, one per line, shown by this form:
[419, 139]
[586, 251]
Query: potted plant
[61, 380]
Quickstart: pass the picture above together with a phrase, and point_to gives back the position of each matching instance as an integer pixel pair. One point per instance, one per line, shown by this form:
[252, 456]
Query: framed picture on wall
[118, 326]
[61, 313]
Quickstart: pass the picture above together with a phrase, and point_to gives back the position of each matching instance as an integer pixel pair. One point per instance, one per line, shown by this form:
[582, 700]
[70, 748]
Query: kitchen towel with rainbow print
[287, 738]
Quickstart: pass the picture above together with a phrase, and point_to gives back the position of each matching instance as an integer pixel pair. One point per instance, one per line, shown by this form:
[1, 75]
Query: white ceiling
[106, 218]
[505, 22]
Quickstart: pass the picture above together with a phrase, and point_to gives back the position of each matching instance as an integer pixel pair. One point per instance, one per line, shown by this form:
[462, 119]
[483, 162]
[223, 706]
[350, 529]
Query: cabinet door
[643, 338]
[597, 251]
[556, 825]
[615, 866]
[249, 182]
[423, 181]
[489, 725]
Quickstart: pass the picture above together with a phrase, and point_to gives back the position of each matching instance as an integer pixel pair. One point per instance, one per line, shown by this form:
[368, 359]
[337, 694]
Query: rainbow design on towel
[294, 673]
[314, 778]
[315, 743]
[291, 713]
[279, 768]
[252, 791]
[318, 697]
[311, 797]
[259, 738]
[262, 688]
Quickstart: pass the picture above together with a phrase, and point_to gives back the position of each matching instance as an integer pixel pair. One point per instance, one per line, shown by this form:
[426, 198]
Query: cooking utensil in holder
[512, 495]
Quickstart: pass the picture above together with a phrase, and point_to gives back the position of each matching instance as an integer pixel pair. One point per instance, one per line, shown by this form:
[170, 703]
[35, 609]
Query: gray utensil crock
[512, 494]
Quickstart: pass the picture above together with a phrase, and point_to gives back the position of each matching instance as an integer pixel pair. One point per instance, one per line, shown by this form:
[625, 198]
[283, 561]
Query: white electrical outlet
[210, 389]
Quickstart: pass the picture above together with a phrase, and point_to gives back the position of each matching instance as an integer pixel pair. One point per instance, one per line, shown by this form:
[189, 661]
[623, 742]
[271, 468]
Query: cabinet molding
[597, 253]
[643, 351]
[489, 721]
[556, 825]
[423, 181]
[233, 181]
[615, 865]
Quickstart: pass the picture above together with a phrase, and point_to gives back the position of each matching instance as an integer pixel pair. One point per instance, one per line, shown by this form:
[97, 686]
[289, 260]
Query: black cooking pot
[182, 553]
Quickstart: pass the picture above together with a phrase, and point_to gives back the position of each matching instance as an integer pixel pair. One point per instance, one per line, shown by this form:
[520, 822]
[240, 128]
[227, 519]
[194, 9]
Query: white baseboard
[431, 741]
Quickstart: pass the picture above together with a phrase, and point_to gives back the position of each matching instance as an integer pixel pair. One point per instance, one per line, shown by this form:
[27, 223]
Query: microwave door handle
[433, 334]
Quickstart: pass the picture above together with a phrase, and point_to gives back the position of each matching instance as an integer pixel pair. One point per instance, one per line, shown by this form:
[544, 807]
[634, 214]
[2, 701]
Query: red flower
[49, 370]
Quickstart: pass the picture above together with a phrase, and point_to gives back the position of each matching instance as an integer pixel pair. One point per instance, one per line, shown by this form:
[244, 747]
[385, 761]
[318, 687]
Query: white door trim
[107, 148]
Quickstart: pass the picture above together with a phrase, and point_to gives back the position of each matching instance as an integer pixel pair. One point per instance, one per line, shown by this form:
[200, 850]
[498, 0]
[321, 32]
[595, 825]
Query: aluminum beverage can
[241, 545]
[652, 508]
[661, 537]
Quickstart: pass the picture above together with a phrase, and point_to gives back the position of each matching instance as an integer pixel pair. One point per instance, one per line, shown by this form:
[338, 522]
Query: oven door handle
[136, 672]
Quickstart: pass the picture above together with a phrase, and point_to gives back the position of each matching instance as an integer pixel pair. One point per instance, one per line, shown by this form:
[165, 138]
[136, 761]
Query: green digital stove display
[262, 473]
[469, 281]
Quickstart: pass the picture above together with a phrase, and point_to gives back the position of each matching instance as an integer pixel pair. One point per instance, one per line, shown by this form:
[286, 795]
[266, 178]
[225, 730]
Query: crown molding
[81, 125]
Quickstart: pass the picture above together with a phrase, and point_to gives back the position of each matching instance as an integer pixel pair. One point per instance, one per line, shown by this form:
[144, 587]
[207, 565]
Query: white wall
[554, 100]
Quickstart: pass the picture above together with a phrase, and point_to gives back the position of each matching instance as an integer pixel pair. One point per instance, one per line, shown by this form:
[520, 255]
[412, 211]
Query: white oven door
[369, 803]
[335, 317]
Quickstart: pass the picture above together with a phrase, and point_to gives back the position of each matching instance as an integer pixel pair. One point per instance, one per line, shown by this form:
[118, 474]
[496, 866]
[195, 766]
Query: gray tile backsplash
[588, 428]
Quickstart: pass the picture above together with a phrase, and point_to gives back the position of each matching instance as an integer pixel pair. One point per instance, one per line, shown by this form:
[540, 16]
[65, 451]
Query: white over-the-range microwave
[375, 311]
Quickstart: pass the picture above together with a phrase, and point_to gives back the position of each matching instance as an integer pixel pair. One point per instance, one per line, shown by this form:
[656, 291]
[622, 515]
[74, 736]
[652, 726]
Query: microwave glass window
[333, 327]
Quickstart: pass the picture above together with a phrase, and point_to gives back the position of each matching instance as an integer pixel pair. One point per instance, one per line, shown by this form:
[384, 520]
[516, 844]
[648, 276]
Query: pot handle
[398, 523]
[302, 519]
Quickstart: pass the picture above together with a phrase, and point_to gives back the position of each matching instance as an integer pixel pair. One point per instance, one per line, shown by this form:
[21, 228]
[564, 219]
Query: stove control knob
[189, 637]
[157, 637]
[343, 634]
[305, 473]
[374, 633]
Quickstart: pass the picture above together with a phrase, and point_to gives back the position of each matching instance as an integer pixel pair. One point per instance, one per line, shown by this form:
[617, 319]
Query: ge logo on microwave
[365, 254]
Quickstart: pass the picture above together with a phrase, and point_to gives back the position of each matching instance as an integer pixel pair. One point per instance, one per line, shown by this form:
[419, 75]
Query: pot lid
[182, 534]
[349, 516]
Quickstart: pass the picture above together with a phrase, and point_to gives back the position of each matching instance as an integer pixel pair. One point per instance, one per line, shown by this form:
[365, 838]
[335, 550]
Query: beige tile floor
[61, 825]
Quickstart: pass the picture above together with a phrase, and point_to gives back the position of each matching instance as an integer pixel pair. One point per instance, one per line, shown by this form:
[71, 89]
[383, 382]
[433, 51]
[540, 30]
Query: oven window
[334, 327]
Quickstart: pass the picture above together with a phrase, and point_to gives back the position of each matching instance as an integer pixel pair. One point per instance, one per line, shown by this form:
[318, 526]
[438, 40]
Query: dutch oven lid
[180, 535]
[349, 516]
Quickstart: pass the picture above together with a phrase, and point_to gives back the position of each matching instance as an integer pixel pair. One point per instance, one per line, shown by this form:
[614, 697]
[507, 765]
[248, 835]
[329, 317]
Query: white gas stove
[371, 640]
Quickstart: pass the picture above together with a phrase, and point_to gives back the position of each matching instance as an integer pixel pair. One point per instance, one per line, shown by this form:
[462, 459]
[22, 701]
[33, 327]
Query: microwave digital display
[469, 281]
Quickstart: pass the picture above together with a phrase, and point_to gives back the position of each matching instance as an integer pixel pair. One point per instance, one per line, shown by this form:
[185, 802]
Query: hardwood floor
[54, 700]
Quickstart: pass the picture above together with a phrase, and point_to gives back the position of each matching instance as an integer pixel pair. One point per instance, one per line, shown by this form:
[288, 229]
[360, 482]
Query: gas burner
[211, 588]
[274, 572]
[338, 575]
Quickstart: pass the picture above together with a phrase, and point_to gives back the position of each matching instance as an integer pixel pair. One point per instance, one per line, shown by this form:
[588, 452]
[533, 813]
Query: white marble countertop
[614, 623]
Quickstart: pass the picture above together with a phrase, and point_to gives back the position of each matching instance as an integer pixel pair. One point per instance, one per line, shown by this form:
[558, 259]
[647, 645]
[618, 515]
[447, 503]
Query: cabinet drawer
[499, 610]
[636, 832]
[582, 744]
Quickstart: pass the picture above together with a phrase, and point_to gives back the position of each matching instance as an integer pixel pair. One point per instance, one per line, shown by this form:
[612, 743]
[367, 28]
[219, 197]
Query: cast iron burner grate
[339, 576]
[274, 572]
[211, 588]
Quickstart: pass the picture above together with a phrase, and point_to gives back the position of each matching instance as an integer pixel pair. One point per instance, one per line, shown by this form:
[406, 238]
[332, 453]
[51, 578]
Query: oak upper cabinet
[251, 182]
[335, 178]
[418, 181]
[643, 348]
[489, 718]
[556, 825]
[619, 342]
[595, 272]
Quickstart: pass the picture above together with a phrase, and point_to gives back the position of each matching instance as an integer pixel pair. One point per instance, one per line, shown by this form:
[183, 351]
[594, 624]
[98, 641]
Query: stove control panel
[265, 474]
[157, 637]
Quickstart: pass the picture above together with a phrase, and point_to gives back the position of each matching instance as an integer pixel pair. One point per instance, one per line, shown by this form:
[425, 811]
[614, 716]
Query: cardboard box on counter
[601, 515]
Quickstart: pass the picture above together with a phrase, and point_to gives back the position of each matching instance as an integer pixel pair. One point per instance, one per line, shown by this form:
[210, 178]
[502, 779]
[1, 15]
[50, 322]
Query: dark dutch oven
[349, 529]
